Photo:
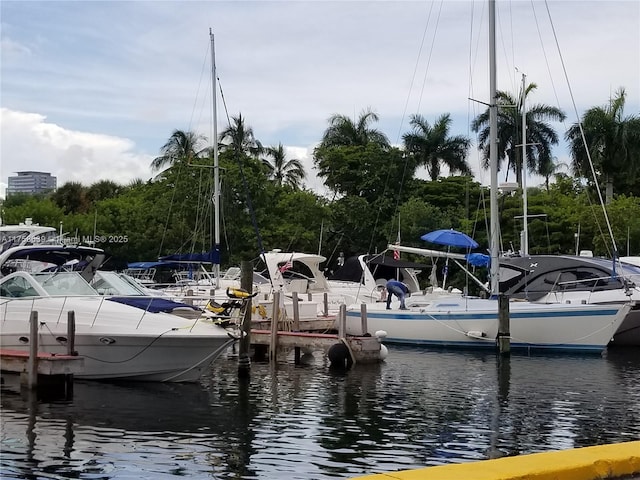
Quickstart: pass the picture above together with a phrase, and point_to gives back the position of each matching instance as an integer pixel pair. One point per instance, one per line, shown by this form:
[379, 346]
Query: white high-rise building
[31, 182]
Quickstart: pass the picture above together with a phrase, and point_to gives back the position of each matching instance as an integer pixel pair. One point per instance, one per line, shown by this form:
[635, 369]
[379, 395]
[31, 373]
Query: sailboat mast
[493, 152]
[216, 170]
[524, 244]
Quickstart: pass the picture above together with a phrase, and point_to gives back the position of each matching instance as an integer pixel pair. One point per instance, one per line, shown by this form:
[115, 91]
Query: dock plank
[48, 363]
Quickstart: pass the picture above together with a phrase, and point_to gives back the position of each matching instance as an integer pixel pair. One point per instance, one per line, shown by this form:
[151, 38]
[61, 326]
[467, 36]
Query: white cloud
[92, 90]
[29, 142]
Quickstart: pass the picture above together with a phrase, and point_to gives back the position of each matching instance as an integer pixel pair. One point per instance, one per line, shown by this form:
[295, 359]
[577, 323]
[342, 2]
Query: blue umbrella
[479, 259]
[450, 238]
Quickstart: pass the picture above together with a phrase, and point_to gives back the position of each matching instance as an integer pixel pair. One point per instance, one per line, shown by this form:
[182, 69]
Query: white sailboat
[460, 321]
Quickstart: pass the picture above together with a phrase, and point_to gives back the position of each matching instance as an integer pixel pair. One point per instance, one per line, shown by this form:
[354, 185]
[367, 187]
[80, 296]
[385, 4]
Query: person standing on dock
[399, 289]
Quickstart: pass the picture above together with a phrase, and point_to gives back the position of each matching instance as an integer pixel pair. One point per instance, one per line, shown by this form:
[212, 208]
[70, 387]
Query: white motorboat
[360, 278]
[27, 233]
[117, 341]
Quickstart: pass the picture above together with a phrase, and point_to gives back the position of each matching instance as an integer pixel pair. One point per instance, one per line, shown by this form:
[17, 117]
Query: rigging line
[245, 184]
[413, 77]
[584, 140]
[546, 58]
[166, 223]
[433, 42]
[504, 51]
[404, 113]
[190, 124]
[200, 216]
[472, 61]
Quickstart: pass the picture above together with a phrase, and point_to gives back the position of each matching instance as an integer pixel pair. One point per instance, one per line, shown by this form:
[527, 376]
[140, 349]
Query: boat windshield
[64, 283]
[112, 283]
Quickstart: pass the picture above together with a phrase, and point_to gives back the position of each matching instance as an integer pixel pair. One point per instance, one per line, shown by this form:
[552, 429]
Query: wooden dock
[34, 367]
[267, 337]
[17, 361]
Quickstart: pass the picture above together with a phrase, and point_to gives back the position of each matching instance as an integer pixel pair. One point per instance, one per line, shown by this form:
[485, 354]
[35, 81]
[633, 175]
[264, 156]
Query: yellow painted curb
[587, 463]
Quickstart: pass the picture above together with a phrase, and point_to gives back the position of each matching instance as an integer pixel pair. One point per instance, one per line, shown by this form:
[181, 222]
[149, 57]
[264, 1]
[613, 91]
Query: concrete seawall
[587, 463]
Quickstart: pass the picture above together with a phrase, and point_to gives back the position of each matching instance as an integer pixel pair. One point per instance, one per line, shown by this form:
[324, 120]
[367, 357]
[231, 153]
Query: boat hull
[115, 343]
[473, 323]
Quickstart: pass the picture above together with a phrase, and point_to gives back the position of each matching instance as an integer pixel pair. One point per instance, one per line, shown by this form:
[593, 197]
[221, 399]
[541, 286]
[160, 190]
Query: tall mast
[524, 244]
[493, 152]
[216, 170]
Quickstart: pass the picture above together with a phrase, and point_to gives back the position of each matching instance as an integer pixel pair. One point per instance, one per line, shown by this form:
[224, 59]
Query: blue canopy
[450, 238]
[478, 259]
[153, 305]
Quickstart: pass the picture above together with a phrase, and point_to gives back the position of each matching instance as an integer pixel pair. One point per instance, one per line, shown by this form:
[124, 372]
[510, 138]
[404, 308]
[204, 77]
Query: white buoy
[384, 352]
[381, 335]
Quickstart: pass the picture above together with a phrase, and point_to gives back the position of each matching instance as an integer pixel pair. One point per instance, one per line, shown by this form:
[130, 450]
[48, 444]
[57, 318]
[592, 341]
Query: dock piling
[504, 336]
[244, 360]
[32, 362]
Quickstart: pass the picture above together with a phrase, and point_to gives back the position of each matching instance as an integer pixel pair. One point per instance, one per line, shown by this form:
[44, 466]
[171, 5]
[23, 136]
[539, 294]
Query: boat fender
[380, 334]
[476, 334]
[339, 356]
[239, 293]
[384, 352]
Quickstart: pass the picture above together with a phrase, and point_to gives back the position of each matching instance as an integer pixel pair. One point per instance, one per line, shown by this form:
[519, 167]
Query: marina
[419, 408]
[333, 345]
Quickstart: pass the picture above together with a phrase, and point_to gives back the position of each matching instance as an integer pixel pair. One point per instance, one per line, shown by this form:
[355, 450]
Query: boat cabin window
[17, 287]
[582, 278]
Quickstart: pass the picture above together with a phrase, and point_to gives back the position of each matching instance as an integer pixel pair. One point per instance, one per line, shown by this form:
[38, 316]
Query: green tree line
[376, 194]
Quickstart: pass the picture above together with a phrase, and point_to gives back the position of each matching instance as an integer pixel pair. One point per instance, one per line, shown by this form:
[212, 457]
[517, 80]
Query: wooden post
[273, 345]
[363, 318]
[296, 326]
[504, 335]
[326, 304]
[32, 362]
[71, 333]
[296, 312]
[71, 349]
[246, 282]
[342, 321]
[189, 299]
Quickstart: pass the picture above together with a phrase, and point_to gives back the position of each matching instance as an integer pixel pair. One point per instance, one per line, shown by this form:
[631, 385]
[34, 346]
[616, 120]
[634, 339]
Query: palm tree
[613, 142]
[283, 171]
[343, 131]
[432, 146]
[239, 139]
[539, 139]
[181, 147]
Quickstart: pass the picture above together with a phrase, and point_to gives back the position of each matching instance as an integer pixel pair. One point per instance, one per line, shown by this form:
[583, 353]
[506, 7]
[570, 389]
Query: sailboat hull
[473, 323]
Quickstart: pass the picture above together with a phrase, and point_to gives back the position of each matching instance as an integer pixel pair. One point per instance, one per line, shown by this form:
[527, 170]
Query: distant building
[31, 182]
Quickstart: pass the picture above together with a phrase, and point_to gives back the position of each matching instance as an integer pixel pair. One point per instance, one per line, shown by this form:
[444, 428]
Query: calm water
[419, 408]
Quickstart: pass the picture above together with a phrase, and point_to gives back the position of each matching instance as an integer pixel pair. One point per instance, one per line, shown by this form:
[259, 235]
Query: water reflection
[421, 407]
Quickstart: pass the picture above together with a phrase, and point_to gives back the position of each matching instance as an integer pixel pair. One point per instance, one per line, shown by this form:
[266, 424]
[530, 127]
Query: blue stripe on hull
[486, 345]
[483, 316]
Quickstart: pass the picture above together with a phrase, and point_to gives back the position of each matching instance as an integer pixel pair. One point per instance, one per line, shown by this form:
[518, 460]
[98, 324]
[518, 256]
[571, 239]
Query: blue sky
[91, 90]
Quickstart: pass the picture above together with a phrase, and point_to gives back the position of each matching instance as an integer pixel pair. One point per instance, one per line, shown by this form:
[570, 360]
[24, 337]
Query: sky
[91, 90]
